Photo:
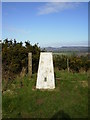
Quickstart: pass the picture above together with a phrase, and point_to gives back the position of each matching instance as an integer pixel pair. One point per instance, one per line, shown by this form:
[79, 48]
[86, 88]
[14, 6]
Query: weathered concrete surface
[30, 64]
[45, 77]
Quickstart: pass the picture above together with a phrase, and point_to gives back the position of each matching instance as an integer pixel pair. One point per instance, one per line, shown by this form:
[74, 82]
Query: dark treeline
[74, 63]
[15, 57]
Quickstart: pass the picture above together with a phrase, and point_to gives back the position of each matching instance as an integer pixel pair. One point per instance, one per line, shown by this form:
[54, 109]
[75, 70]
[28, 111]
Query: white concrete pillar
[45, 76]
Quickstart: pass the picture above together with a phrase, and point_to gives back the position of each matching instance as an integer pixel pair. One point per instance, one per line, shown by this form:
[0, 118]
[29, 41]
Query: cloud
[17, 30]
[55, 7]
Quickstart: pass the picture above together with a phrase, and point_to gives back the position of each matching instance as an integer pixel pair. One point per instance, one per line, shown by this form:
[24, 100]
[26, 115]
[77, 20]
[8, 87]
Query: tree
[15, 57]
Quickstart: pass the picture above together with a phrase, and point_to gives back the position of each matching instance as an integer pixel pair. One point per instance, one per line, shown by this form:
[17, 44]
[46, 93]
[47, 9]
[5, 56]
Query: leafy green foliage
[75, 63]
[60, 62]
[15, 57]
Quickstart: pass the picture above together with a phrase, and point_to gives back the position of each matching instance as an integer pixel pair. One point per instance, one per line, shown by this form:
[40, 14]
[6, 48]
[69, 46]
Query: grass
[63, 53]
[68, 100]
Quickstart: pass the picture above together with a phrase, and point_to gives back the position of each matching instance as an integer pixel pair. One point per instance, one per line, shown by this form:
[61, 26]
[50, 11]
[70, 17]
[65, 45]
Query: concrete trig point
[45, 77]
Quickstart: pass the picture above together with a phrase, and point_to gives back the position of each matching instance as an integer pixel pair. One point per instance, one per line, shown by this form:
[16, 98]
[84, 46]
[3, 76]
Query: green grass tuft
[68, 100]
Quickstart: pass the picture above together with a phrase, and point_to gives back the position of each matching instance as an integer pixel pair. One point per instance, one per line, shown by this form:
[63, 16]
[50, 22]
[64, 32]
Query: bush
[15, 56]
[60, 62]
[75, 63]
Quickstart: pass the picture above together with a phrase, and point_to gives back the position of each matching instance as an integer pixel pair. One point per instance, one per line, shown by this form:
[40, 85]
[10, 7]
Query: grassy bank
[68, 100]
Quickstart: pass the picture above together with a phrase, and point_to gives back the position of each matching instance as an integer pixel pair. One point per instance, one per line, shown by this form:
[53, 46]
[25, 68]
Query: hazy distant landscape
[68, 99]
[68, 49]
[35, 27]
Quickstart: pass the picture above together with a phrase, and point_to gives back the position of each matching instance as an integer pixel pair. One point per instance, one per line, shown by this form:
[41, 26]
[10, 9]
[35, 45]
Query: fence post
[30, 64]
[67, 64]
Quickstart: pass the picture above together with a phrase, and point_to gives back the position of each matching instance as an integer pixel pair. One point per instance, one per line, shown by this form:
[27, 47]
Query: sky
[51, 24]
[45, 0]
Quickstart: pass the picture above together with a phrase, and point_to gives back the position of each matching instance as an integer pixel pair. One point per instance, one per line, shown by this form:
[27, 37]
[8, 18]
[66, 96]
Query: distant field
[70, 53]
[64, 53]
[68, 100]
